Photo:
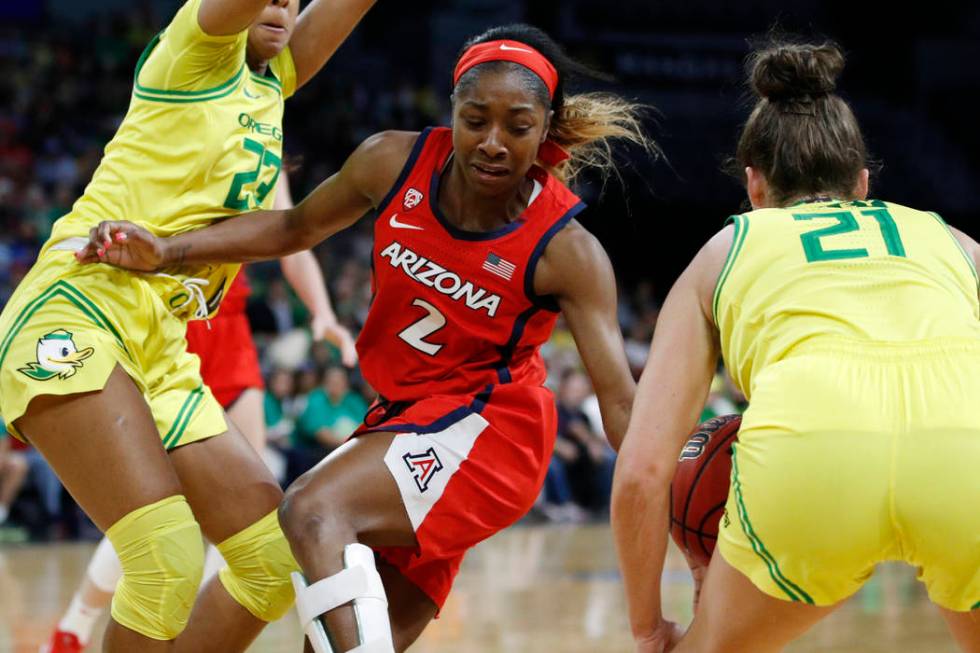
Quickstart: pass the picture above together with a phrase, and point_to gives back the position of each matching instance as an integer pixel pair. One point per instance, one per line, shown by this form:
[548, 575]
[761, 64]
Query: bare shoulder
[706, 267]
[378, 161]
[969, 245]
[573, 259]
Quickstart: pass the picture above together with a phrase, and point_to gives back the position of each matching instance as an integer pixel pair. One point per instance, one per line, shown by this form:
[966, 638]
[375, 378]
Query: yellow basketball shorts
[66, 328]
[854, 454]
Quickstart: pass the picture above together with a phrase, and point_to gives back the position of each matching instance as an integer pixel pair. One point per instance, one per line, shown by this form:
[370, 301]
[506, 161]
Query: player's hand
[326, 327]
[123, 245]
[664, 638]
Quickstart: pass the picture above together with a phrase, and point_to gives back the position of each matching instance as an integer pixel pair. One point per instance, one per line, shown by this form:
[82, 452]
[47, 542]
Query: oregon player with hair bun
[852, 325]
[94, 370]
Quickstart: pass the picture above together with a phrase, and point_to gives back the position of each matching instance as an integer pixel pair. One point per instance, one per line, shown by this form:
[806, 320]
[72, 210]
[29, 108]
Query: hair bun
[795, 72]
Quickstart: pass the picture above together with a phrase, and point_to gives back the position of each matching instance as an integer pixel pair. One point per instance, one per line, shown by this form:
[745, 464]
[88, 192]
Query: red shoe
[62, 642]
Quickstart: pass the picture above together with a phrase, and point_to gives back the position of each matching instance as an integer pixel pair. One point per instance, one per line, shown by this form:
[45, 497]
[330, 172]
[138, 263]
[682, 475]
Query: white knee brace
[358, 582]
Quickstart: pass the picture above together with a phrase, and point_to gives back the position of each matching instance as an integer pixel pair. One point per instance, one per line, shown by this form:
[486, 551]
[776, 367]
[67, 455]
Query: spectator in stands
[332, 412]
[280, 407]
[590, 468]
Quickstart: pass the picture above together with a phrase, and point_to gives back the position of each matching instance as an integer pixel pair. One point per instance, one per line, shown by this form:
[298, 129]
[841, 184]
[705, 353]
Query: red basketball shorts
[229, 360]
[467, 466]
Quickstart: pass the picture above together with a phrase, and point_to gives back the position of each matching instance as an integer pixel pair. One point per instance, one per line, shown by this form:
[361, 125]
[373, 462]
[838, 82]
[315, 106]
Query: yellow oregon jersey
[861, 271]
[202, 140]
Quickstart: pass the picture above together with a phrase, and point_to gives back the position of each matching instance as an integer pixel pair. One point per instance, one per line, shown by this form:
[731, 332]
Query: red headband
[514, 51]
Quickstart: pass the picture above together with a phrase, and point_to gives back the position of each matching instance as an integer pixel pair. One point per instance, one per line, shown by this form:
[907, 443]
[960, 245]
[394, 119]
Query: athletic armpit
[185, 58]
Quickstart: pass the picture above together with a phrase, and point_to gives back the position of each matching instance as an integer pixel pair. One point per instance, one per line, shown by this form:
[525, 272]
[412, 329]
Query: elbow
[640, 478]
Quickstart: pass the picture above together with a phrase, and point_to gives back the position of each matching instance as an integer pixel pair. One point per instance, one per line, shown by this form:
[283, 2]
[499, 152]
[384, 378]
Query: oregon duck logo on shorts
[57, 356]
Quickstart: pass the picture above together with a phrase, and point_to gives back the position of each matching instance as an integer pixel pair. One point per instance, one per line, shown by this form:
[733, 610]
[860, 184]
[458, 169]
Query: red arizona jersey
[455, 311]
[237, 296]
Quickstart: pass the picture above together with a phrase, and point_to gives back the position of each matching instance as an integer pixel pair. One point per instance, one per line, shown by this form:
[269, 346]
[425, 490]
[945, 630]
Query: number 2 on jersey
[846, 223]
[235, 200]
[416, 332]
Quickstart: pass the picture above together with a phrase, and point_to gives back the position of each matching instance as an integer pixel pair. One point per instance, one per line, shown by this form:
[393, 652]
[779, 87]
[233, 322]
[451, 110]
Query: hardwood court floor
[540, 589]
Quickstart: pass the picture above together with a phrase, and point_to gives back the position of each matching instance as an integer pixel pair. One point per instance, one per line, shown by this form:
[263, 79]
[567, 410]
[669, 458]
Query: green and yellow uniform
[202, 140]
[854, 330]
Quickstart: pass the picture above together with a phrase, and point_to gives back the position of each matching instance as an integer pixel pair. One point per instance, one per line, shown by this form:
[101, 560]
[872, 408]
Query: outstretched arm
[576, 270]
[669, 399]
[337, 203]
[320, 30]
[303, 273]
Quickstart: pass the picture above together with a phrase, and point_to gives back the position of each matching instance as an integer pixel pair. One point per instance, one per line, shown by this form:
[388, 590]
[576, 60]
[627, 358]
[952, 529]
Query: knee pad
[259, 564]
[359, 582]
[162, 557]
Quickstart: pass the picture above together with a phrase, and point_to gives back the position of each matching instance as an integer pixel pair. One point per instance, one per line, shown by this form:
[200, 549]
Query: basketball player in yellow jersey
[853, 327]
[93, 366]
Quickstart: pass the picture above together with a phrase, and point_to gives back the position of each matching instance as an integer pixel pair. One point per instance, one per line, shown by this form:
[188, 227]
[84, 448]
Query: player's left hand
[326, 327]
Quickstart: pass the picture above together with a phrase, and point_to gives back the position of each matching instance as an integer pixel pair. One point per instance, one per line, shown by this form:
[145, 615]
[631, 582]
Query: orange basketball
[699, 490]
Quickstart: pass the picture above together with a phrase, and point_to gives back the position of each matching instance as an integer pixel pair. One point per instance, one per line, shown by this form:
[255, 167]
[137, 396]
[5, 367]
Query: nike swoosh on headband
[504, 46]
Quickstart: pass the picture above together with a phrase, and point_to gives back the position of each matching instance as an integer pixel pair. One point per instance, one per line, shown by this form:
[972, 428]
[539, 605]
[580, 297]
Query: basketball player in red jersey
[476, 251]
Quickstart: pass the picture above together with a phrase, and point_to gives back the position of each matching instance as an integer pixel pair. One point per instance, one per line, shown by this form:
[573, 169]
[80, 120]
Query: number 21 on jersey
[816, 250]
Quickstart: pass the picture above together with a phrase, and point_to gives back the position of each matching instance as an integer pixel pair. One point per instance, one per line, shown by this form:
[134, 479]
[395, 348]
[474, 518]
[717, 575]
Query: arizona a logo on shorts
[412, 199]
[423, 467]
[57, 356]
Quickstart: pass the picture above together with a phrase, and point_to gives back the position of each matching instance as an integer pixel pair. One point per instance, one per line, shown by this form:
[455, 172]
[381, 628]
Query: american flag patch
[499, 266]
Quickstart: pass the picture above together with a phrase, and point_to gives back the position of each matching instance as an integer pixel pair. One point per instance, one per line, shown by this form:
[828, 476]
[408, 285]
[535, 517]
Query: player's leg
[248, 414]
[349, 500]
[965, 627]
[409, 608]
[105, 448]
[13, 472]
[736, 617]
[235, 499]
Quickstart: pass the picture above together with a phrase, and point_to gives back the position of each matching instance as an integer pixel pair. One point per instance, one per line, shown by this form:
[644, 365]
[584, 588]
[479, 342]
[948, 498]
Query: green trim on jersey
[959, 246]
[741, 229]
[176, 432]
[760, 549]
[269, 82]
[69, 292]
[179, 97]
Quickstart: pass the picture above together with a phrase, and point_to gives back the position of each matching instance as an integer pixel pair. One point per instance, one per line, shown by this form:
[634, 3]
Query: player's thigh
[351, 489]
[226, 483]
[248, 414]
[735, 617]
[104, 446]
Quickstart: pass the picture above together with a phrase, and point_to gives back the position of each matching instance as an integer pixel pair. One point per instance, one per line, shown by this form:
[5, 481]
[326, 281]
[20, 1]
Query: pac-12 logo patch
[412, 199]
[423, 467]
[57, 356]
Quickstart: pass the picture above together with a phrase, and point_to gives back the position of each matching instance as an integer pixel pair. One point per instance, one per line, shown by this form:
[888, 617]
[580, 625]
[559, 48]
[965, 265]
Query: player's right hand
[663, 639]
[123, 245]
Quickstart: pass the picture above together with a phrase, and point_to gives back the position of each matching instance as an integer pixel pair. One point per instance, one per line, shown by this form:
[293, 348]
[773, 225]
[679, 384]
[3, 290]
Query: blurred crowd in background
[65, 83]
